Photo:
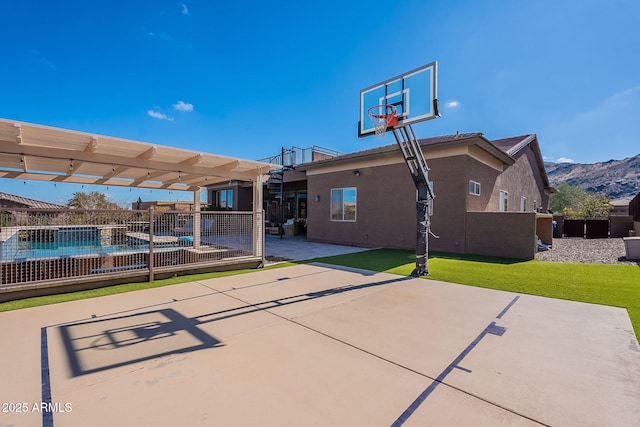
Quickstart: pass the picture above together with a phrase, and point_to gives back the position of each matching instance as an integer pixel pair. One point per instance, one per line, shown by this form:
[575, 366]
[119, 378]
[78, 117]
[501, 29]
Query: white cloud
[159, 116]
[50, 64]
[565, 160]
[183, 106]
[185, 9]
[452, 104]
[42, 61]
[159, 36]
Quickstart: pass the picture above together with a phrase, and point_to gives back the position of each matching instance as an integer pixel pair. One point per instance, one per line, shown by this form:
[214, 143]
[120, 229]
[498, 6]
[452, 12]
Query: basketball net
[382, 116]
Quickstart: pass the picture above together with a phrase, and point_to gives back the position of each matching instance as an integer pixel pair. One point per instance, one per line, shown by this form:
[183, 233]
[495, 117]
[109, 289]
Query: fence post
[151, 233]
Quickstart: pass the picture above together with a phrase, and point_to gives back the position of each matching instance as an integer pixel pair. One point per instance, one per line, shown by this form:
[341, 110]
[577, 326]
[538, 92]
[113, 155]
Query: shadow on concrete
[101, 344]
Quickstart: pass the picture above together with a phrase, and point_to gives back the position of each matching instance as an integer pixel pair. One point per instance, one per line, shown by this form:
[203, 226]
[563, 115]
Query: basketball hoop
[382, 116]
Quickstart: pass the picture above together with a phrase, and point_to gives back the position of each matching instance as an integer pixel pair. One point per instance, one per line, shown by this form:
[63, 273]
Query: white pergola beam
[62, 155]
[18, 131]
[150, 153]
[92, 146]
[192, 160]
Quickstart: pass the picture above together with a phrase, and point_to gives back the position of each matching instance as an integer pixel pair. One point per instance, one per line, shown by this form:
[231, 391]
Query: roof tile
[31, 203]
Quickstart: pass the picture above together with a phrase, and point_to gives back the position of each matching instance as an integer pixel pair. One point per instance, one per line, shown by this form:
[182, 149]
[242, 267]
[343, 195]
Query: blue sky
[243, 78]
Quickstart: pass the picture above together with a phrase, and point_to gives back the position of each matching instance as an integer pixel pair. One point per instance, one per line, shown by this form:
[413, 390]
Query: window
[503, 201]
[343, 204]
[302, 205]
[474, 188]
[523, 204]
[223, 199]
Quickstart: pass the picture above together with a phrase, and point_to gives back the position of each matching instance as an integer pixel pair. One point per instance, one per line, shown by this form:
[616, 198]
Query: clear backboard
[413, 94]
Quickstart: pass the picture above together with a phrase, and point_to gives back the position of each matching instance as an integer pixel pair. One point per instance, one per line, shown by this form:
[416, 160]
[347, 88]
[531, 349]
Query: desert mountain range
[617, 179]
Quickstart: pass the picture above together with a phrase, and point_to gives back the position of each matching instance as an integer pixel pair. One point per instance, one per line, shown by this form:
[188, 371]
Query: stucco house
[10, 217]
[12, 201]
[491, 196]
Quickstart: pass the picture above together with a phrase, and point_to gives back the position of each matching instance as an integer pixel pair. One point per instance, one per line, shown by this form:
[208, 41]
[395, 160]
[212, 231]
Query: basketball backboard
[414, 95]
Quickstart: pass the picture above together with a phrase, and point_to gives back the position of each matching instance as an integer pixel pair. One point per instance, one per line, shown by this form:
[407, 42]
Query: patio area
[296, 248]
[320, 345]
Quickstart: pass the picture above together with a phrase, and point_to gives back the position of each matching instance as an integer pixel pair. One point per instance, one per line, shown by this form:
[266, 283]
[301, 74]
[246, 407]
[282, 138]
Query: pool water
[74, 241]
[30, 250]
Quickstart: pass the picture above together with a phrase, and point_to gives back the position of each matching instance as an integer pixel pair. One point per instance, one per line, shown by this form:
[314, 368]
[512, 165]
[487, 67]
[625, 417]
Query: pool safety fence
[40, 246]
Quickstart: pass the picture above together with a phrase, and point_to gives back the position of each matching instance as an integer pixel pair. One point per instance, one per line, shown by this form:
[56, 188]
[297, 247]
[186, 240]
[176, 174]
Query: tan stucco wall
[502, 234]
[384, 216]
[520, 180]
[386, 211]
[544, 228]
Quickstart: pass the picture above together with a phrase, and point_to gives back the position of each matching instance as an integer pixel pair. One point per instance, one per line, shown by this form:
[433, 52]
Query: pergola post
[196, 217]
[258, 218]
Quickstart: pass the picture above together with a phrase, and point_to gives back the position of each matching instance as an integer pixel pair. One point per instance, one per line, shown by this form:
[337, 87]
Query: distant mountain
[616, 179]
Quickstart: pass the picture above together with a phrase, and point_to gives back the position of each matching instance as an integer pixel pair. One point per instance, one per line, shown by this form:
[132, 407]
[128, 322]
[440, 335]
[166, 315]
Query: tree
[92, 200]
[595, 206]
[576, 203]
[567, 197]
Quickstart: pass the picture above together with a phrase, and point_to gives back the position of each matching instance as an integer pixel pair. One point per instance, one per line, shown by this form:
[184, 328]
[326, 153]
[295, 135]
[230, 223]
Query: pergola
[41, 153]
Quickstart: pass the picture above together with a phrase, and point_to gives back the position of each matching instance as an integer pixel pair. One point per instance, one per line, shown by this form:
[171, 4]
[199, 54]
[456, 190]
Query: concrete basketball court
[317, 345]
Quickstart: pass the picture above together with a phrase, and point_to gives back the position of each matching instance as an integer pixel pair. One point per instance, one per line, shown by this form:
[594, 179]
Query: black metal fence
[615, 226]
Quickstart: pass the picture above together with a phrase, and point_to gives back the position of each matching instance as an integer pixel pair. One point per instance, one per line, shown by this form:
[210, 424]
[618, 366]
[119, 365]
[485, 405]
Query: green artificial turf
[118, 289]
[606, 284]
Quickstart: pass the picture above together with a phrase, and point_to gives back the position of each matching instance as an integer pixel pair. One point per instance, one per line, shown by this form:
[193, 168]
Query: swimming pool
[62, 242]
[29, 250]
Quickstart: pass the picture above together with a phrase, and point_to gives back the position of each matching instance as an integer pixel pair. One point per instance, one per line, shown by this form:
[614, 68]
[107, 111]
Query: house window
[343, 204]
[474, 188]
[302, 205]
[223, 199]
[503, 201]
[523, 204]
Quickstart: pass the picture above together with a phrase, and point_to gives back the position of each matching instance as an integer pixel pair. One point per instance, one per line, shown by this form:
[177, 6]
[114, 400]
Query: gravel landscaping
[590, 251]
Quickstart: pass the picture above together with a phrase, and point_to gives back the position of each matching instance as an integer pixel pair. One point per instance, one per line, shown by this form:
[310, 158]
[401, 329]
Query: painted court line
[504, 311]
[47, 415]
[492, 329]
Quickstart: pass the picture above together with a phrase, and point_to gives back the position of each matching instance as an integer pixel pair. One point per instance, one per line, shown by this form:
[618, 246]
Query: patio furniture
[293, 228]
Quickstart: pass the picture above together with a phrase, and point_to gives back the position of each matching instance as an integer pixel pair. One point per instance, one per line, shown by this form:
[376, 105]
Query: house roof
[34, 152]
[31, 203]
[432, 143]
[505, 150]
[512, 146]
